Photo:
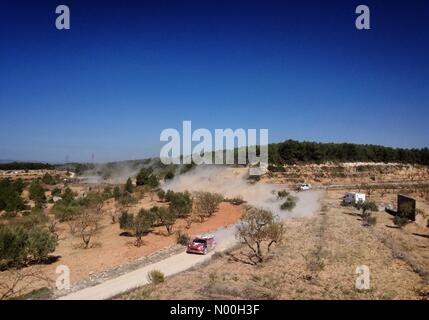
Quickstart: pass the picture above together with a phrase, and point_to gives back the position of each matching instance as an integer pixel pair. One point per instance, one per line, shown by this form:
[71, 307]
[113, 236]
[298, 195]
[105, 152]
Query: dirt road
[307, 204]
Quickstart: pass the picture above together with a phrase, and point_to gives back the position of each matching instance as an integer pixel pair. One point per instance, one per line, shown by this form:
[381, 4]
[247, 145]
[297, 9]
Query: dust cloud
[232, 182]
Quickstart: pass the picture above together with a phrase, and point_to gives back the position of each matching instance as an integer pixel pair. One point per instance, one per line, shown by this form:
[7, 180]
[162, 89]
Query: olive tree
[259, 228]
[166, 216]
[139, 224]
[207, 203]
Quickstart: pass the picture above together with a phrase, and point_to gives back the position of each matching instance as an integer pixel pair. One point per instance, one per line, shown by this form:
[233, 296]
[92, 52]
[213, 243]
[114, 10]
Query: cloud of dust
[232, 182]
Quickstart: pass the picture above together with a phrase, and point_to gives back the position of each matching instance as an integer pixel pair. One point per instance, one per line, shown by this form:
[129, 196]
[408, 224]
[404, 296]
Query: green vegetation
[400, 220]
[282, 194]
[368, 208]
[49, 179]
[289, 203]
[182, 238]
[180, 203]
[155, 277]
[25, 166]
[166, 217]
[37, 193]
[56, 192]
[236, 201]
[19, 246]
[291, 151]
[161, 195]
[67, 208]
[139, 224]
[10, 195]
[117, 192]
[129, 187]
[207, 203]
[258, 228]
[146, 177]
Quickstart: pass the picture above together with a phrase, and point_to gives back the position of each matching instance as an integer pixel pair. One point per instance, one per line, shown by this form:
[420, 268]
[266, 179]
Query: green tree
[56, 192]
[40, 243]
[207, 203]
[161, 195]
[166, 216]
[13, 246]
[169, 175]
[146, 177]
[139, 224]
[129, 187]
[48, 179]
[117, 193]
[181, 204]
[37, 193]
[68, 196]
[256, 228]
[10, 195]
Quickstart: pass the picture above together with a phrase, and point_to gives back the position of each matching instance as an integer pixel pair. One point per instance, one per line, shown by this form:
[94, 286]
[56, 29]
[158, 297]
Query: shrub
[182, 238]
[34, 218]
[282, 194]
[155, 277]
[40, 243]
[56, 192]
[48, 179]
[129, 187]
[371, 221]
[126, 199]
[13, 246]
[37, 193]
[400, 220]
[369, 206]
[146, 177]
[117, 193]
[19, 245]
[289, 204]
[64, 211]
[166, 216]
[236, 201]
[10, 195]
[169, 175]
[161, 194]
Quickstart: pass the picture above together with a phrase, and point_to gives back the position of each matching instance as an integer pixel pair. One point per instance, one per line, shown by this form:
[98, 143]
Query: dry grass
[317, 261]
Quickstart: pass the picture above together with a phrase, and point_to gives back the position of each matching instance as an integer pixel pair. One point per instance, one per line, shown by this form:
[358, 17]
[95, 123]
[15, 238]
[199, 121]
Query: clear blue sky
[128, 69]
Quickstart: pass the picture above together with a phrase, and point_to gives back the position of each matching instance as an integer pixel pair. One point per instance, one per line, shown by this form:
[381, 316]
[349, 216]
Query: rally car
[201, 244]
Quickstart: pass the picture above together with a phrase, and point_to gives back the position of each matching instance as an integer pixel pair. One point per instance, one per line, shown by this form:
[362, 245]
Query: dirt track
[308, 203]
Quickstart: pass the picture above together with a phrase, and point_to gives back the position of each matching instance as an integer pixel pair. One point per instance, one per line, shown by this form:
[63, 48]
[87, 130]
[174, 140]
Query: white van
[354, 197]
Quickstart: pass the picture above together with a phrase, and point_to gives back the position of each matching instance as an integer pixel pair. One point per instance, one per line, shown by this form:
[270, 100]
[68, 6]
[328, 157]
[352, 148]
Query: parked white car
[304, 186]
[354, 197]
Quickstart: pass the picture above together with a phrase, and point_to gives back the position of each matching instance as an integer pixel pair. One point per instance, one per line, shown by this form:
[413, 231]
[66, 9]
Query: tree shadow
[392, 227]
[423, 235]
[48, 260]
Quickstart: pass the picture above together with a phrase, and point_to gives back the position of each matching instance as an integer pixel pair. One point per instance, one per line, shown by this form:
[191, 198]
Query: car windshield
[199, 241]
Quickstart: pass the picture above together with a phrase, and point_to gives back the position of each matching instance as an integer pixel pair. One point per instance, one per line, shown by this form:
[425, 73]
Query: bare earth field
[317, 260]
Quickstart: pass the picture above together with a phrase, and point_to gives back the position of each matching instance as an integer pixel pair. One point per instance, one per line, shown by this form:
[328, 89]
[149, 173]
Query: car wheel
[205, 251]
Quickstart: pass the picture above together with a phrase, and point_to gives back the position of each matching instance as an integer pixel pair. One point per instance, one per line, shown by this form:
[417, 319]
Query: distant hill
[291, 152]
[25, 166]
[6, 161]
